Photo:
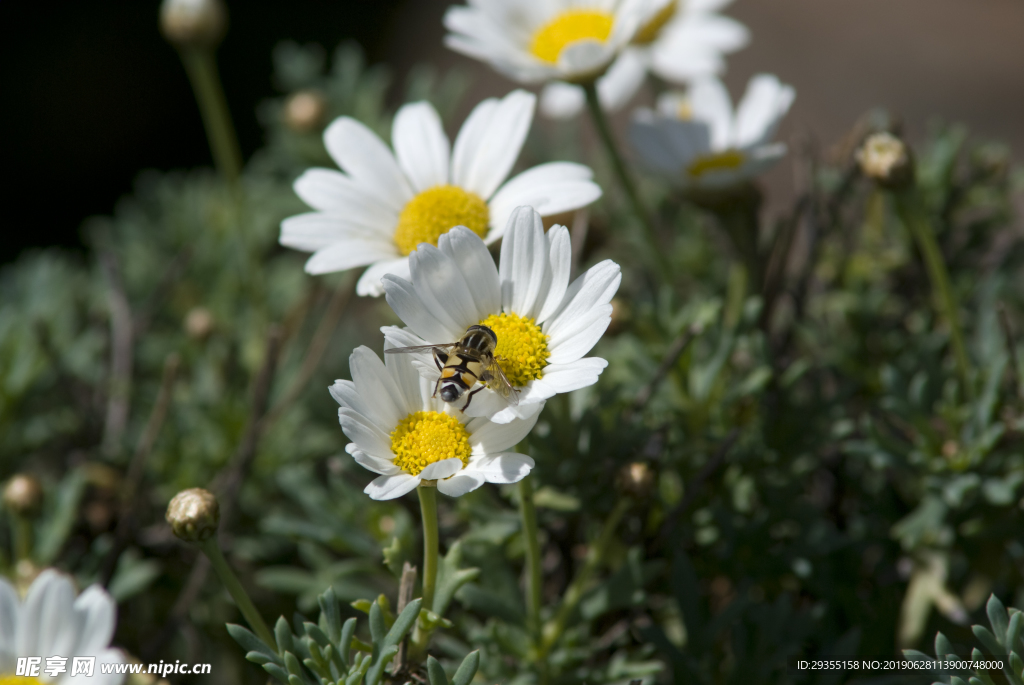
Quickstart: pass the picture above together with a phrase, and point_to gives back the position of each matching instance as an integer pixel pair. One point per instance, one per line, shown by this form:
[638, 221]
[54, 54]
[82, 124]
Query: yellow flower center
[522, 347]
[425, 437]
[650, 30]
[730, 159]
[18, 680]
[436, 211]
[567, 28]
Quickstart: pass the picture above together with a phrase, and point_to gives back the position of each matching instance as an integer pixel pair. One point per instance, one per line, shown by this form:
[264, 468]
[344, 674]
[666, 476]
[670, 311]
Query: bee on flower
[681, 41]
[544, 325]
[699, 141]
[53, 623]
[400, 431]
[384, 203]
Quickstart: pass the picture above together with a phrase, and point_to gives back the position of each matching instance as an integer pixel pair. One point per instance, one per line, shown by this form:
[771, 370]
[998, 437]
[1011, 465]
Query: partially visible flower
[681, 42]
[546, 40]
[305, 111]
[382, 205]
[193, 515]
[52, 621]
[544, 324]
[23, 494]
[885, 159]
[193, 22]
[700, 141]
[410, 438]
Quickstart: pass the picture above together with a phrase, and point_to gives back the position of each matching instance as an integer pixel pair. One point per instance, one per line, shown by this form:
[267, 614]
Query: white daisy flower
[682, 41]
[546, 40]
[52, 621]
[407, 436]
[699, 139]
[382, 205]
[544, 324]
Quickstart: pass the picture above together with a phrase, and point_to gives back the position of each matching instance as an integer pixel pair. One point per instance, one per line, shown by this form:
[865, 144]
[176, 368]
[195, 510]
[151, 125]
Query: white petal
[503, 467]
[442, 287]
[421, 146]
[100, 613]
[711, 104]
[474, 262]
[461, 483]
[332, 191]
[622, 80]
[551, 188]
[391, 487]
[441, 469]
[560, 100]
[668, 145]
[584, 58]
[376, 384]
[106, 656]
[523, 267]
[706, 31]
[370, 282]
[368, 161]
[763, 106]
[560, 378]
[484, 156]
[571, 346]
[383, 467]
[346, 254]
[46, 615]
[9, 629]
[487, 437]
[593, 288]
[316, 230]
[404, 299]
[687, 62]
[560, 264]
[368, 436]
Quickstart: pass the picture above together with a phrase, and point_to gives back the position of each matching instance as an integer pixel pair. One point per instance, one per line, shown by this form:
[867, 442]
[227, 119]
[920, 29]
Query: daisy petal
[441, 469]
[594, 288]
[332, 191]
[347, 253]
[711, 104]
[487, 437]
[369, 437]
[383, 467]
[371, 378]
[404, 299]
[100, 612]
[560, 264]
[622, 80]
[523, 267]
[573, 345]
[8, 621]
[560, 100]
[315, 230]
[503, 467]
[461, 483]
[482, 168]
[391, 487]
[475, 263]
[560, 378]
[369, 162]
[421, 146]
[370, 282]
[762, 107]
[471, 137]
[550, 188]
[442, 287]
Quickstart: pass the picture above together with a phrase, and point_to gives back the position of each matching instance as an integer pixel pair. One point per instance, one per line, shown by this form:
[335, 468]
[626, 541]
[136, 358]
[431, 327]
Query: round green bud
[194, 514]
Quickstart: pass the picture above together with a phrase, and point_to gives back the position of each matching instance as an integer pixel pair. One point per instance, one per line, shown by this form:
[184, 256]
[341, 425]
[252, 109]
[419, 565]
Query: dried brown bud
[23, 495]
[886, 159]
[305, 111]
[199, 23]
[199, 323]
[636, 479]
[194, 514]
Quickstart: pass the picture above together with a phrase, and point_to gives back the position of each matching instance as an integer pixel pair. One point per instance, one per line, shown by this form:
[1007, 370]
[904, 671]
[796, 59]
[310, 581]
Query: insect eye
[450, 393]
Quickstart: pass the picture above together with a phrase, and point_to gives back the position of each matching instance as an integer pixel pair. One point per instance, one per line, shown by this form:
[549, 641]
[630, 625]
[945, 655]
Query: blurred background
[93, 94]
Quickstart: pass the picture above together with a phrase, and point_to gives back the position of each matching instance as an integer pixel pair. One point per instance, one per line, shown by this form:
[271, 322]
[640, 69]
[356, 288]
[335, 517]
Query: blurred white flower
[698, 139]
[684, 40]
[52, 621]
[546, 40]
[382, 205]
[402, 433]
[544, 324]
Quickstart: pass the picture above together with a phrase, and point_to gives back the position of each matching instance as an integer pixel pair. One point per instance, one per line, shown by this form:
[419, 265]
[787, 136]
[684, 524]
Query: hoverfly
[464, 363]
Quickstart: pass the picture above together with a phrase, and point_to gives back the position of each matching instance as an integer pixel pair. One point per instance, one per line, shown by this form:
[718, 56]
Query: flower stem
[912, 213]
[625, 178]
[428, 511]
[201, 68]
[574, 593]
[533, 570]
[22, 533]
[212, 550]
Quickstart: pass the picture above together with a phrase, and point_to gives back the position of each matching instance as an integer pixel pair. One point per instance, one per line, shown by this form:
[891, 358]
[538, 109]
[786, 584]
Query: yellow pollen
[18, 680]
[522, 347]
[650, 30]
[730, 159]
[568, 28]
[436, 211]
[425, 437]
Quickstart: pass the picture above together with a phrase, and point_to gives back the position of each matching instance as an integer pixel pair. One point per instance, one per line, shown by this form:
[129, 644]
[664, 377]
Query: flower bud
[199, 23]
[194, 514]
[23, 495]
[305, 111]
[885, 159]
[636, 479]
[199, 323]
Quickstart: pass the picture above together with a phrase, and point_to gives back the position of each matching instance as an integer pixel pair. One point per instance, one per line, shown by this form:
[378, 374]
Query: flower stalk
[428, 512]
[201, 67]
[528, 510]
[220, 565]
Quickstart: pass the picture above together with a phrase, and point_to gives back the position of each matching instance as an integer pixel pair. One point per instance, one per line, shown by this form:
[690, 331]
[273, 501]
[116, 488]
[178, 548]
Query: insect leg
[437, 386]
[470, 398]
[440, 357]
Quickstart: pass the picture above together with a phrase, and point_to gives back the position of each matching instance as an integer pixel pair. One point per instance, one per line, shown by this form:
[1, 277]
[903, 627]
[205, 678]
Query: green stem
[625, 178]
[202, 73]
[912, 213]
[212, 550]
[533, 570]
[428, 512]
[595, 555]
[22, 529]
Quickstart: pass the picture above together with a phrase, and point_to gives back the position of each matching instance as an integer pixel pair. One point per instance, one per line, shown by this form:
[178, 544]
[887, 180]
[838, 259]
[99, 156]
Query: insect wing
[420, 348]
[499, 383]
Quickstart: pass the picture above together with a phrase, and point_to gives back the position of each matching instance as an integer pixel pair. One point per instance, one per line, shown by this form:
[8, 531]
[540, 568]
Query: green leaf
[277, 672]
[377, 628]
[997, 618]
[283, 634]
[467, 669]
[248, 641]
[59, 524]
[404, 622]
[943, 647]
[330, 609]
[435, 672]
[345, 641]
[450, 578]
[987, 639]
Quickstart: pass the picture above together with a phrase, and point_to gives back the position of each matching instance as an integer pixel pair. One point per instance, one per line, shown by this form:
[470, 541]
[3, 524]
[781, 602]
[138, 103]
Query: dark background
[92, 93]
